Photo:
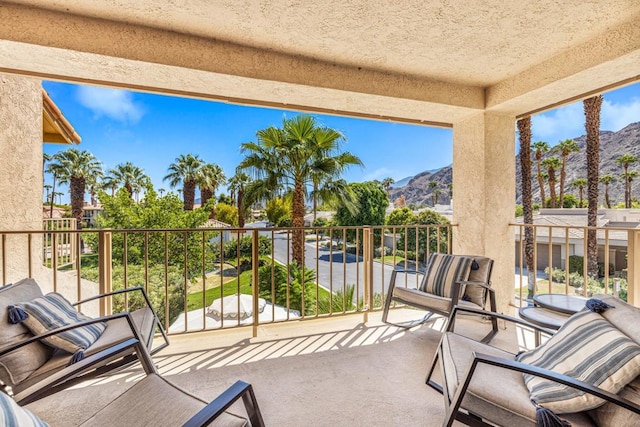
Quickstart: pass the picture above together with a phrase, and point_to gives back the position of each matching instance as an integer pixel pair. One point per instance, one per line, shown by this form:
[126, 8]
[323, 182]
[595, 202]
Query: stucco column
[484, 194]
[21, 171]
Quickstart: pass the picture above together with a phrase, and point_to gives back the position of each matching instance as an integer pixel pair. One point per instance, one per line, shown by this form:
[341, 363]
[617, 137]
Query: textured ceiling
[471, 42]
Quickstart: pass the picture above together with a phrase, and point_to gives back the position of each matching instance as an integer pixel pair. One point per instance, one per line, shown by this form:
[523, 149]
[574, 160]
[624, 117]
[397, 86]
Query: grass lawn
[543, 288]
[393, 261]
[86, 261]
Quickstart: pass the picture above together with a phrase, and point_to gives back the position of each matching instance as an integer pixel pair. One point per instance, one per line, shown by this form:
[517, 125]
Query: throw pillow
[17, 365]
[443, 271]
[53, 311]
[13, 415]
[588, 348]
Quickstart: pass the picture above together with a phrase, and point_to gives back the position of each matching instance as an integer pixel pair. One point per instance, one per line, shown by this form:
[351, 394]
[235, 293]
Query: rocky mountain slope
[612, 146]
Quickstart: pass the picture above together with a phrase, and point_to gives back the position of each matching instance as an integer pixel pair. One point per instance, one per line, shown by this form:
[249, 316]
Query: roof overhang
[56, 129]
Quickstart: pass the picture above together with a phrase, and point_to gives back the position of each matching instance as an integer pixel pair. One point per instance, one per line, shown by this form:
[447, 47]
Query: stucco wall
[21, 170]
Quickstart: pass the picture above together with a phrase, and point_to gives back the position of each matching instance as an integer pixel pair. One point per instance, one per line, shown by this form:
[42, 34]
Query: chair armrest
[549, 375]
[108, 294]
[492, 315]
[221, 403]
[17, 345]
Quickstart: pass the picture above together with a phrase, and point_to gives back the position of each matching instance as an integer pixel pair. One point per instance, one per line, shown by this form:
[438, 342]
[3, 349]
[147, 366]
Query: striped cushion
[53, 311]
[443, 271]
[588, 348]
[11, 414]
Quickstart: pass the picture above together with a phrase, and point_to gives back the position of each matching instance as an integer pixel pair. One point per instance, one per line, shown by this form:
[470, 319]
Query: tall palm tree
[539, 149]
[436, 193]
[580, 184]
[627, 160]
[76, 168]
[210, 177]
[629, 177]
[238, 183]
[564, 148]
[524, 134]
[185, 170]
[552, 164]
[592, 124]
[432, 186]
[289, 158]
[129, 176]
[606, 180]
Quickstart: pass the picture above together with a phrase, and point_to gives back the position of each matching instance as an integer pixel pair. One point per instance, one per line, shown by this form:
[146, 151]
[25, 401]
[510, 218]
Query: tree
[129, 176]
[290, 158]
[539, 149]
[387, 183]
[209, 177]
[238, 184]
[564, 148]
[625, 161]
[432, 187]
[76, 168]
[185, 170]
[552, 164]
[629, 177]
[373, 203]
[278, 212]
[227, 214]
[401, 216]
[592, 124]
[429, 239]
[606, 180]
[580, 184]
[435, 195]
[524, 134]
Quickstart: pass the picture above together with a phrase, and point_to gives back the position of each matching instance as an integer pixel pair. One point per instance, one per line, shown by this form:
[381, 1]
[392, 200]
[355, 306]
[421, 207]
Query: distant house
[57, 212]
[569, 237]
[89, 214]
[228, 233]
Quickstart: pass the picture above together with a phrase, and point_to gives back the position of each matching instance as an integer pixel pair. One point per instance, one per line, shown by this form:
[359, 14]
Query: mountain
[612, 146]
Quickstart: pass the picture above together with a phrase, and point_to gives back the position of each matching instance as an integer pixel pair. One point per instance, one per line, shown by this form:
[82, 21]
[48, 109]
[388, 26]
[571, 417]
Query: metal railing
[58, 244]
[560, 261]
[342, 270]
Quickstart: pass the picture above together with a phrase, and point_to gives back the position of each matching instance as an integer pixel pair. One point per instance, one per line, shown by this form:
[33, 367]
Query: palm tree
[129, 176]
[185, 170]
[592, 124]
[627, 160]
[387, 183]
[210, 177]
[552, 164]
[629, 176]
[524, 134]
[161, 191]
[435, 195]
[564, 148]
[47, 188]
[432, 187]
[290, 158]
[238, 184]
[76, 168]
[580, 184]
[606, 180]
[539, 148]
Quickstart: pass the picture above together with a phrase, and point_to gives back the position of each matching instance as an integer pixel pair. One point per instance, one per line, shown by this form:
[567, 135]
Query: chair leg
[437, 387]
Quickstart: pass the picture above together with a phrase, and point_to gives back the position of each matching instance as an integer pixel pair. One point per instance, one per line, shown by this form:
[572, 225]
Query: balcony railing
[344, 270]
[559, 257]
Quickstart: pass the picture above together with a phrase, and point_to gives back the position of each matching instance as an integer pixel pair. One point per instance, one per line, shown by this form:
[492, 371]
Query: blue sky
[152, 130]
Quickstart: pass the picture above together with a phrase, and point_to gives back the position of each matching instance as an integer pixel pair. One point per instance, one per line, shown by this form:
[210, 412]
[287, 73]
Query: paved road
[333, 269]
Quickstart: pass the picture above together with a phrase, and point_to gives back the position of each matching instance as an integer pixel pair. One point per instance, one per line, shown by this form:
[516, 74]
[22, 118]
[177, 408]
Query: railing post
[255, 261]
[367, 263]
[633, 268]
[104, 270]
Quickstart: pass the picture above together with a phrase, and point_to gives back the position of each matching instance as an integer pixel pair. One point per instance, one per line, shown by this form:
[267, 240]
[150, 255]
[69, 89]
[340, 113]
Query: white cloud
[615, 116]
[113, 103]
[379, 174]
[568, 122]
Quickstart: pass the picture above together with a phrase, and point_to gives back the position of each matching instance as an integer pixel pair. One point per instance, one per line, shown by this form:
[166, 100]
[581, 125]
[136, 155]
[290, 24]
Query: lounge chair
[484, 385]
[448, 280]
[30, 369]
[152, 401]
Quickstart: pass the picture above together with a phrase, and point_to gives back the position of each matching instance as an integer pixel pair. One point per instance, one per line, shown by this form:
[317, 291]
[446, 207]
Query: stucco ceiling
[471, 42]
[432, 62]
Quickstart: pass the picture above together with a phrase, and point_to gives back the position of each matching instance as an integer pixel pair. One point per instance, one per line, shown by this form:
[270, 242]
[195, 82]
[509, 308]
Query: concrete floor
[329, 372]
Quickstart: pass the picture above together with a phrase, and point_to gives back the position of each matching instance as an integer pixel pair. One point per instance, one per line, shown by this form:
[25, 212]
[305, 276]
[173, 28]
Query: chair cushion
[443, 271]
[155, 401]
[418, 298]
[612, 415]
[496, 394]
[478, 294]
[620, 314]
[53, 311]
[588, 348]
[20, 363]
[11, 414]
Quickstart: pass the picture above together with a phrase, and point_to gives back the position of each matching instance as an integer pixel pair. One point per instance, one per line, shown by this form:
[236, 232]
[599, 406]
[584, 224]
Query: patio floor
[329, 372]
